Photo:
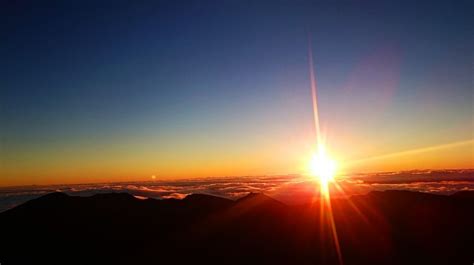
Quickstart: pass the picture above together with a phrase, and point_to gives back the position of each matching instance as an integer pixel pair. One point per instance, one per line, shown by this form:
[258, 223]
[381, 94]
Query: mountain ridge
[383, 227]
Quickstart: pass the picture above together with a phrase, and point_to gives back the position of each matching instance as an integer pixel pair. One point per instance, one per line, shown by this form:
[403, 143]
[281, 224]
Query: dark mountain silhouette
[389, 227]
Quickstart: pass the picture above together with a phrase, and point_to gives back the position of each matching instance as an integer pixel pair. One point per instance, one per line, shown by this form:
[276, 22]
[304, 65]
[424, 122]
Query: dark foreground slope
[391, 227]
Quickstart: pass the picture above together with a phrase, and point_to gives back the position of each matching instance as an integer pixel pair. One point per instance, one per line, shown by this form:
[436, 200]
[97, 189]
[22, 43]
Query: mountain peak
[54, 195]
[113, 196]
[257, 198]
[200, 197]
[206, 201]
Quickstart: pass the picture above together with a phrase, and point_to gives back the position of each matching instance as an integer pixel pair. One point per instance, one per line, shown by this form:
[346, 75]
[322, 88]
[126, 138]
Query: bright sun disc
[323, 167]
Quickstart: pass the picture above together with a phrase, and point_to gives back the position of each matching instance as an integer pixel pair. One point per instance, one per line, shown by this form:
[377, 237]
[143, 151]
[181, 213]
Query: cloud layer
[288, 188]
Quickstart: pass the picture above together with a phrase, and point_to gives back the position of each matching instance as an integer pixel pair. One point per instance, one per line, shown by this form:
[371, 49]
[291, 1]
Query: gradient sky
[178, 89]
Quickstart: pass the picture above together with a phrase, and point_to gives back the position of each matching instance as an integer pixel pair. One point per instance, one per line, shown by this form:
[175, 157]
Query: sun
[322, 167]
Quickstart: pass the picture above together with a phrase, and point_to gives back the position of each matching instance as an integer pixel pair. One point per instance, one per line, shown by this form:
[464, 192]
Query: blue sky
[183, 74]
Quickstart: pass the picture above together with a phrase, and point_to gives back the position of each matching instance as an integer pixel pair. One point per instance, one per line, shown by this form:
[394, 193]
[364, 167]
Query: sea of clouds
[291, 189]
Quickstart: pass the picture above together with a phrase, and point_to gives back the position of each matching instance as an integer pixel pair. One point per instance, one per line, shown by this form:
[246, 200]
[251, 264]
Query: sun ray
[412, 152]
[321, 165]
